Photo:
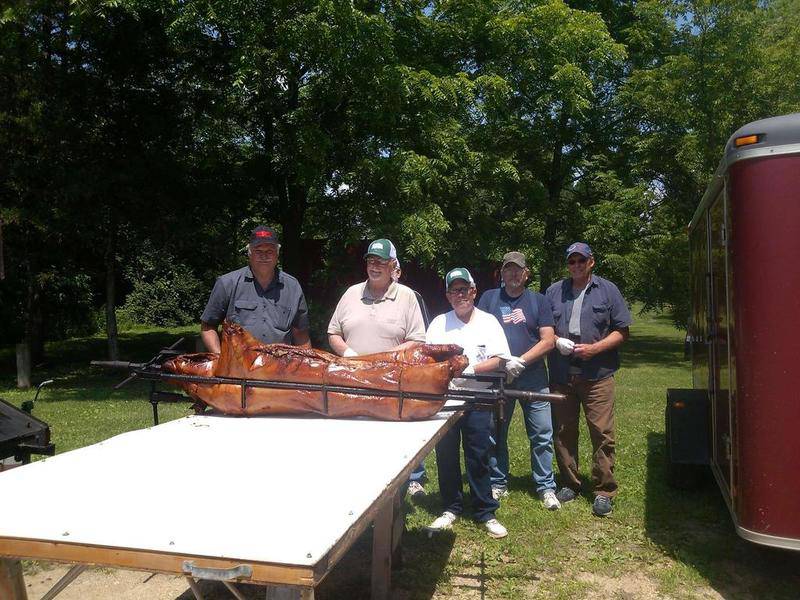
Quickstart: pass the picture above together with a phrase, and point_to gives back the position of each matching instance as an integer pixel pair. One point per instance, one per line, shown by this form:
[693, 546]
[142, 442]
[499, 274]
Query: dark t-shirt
[268, 314]
[604, 310]
[521, 319]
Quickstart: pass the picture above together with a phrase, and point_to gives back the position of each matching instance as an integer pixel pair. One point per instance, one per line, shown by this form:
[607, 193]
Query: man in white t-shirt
[484, 344]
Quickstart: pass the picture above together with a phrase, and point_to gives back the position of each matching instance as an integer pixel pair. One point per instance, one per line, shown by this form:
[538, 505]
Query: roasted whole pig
[424, 368]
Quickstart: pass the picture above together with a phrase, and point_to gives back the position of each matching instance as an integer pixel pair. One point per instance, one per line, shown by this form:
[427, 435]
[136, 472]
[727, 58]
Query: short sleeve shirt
[604, 310]
[481, 338]
[268, 314]
[521, 318]
[370, 324]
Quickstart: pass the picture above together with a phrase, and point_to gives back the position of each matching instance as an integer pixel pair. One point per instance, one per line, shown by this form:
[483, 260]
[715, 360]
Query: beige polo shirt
[370, 324]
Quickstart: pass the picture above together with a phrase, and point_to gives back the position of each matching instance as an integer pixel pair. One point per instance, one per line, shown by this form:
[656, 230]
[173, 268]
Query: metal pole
[62, 583]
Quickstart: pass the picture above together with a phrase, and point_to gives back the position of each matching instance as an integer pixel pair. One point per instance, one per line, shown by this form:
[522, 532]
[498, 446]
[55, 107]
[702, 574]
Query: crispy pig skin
[423, 368]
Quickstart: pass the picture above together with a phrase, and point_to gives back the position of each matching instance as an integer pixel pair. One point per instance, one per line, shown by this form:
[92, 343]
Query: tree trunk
[2, 261]
[34, 334]
[293, 210]
[111, 305]
[551, 264]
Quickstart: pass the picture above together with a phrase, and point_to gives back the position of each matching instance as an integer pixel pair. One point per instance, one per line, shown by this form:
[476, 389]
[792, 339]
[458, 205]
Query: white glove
[565, 345]
[349, 352]
[470, 370]
[514, 367]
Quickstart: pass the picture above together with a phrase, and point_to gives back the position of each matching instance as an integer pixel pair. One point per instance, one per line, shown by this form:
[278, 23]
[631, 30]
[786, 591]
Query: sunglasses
[459, 291]
[577, 261]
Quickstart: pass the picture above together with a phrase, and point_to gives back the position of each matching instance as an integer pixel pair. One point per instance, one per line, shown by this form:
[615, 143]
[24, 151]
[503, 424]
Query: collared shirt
[521, 318]
[481, 338]
[603, 311]
[370, 324]
[268, 314]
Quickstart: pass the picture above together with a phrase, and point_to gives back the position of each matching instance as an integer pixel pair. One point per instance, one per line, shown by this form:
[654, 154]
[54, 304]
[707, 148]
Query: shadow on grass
[652, 351]
[422, 564]
[695, 528]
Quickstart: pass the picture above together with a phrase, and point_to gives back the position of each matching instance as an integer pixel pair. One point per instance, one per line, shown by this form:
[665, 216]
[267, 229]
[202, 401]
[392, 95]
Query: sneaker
[602, 506]
[445, 521]
[499, 491]
[415, 489]
[495, 529]
[549, 500]
[565, 495]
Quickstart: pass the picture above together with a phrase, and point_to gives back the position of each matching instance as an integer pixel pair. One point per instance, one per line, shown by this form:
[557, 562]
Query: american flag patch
[512, 316]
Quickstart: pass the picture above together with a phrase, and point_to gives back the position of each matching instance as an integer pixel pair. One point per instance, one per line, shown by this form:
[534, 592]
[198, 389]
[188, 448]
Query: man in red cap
[266, 301]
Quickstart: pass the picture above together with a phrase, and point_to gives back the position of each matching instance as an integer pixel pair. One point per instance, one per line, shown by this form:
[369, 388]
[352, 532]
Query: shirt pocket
[600, 315]
[281, 316]
[244, 312]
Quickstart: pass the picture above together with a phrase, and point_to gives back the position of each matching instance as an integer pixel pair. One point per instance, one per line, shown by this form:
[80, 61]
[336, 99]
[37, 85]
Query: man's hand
[349, 352]
[470, 370]
[566, 346]
[586, 351]
[514, 367]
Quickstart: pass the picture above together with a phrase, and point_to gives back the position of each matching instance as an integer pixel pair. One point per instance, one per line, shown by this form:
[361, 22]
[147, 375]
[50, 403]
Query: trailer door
[719, 335]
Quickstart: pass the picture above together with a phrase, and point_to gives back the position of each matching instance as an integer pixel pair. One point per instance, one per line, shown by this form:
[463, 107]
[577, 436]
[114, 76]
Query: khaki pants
[597, 399]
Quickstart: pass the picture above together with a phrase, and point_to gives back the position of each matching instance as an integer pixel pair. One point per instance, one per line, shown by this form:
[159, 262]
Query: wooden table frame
[284, 581]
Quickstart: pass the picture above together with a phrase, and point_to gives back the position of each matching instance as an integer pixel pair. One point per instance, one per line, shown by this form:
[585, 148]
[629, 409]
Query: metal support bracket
[233, 574]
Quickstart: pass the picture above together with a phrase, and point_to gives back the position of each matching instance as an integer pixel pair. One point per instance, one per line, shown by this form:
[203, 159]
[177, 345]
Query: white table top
[278, 490]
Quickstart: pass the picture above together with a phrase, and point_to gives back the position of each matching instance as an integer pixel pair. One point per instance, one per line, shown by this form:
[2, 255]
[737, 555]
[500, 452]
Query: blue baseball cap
[581, 248]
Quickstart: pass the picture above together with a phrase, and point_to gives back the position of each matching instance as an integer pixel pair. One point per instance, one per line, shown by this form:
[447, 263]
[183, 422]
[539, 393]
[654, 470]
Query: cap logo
[262, 234]
[377, 245]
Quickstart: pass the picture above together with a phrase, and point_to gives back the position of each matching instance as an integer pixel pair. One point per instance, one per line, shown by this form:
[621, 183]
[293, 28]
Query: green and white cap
[382, 248]
[458, 273]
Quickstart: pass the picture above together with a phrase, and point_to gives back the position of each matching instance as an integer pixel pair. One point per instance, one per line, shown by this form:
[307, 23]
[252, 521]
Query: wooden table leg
[12, 582]
[382, 551]
[398, 529]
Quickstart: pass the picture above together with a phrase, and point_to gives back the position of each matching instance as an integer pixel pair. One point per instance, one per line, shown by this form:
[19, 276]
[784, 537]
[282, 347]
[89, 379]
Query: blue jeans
[472, 431]
[539, 426]
[418, 474]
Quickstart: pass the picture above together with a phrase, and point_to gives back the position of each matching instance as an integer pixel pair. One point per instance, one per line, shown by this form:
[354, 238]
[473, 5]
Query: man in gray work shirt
[264, 300]
[591, 322]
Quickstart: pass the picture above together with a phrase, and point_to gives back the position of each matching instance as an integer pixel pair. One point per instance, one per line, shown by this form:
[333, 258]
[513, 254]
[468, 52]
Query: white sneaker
[550, 501]
[415, 489]
[495, 529]
[445, 521]
[499, 492]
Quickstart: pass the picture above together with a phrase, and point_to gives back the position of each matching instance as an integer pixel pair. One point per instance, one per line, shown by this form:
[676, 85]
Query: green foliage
[165, 292]
[460, 129]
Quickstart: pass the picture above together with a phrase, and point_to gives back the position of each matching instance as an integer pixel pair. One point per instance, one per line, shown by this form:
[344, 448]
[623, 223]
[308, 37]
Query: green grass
[659, 542]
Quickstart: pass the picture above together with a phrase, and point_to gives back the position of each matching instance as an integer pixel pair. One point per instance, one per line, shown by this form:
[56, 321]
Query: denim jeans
[472, 431]
[539, 427]
[418, 474]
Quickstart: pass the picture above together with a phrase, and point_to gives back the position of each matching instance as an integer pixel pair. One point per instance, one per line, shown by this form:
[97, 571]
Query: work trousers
[472, 431]
[597, 399]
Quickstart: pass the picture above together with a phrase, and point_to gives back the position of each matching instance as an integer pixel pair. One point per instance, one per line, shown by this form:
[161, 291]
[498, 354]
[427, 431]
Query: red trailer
[743, 416]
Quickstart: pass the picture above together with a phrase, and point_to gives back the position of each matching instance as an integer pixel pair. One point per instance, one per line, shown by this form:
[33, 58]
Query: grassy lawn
[659, 543]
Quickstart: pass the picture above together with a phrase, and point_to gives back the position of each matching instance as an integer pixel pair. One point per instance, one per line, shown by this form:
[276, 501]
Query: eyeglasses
[576, 261]
[377, 262]
[459, 291]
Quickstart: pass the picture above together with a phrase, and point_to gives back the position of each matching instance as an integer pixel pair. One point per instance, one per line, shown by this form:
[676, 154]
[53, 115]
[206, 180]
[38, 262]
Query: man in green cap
[379, 314]
[484, 343]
